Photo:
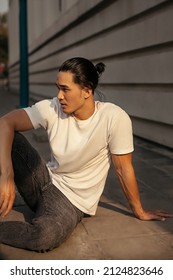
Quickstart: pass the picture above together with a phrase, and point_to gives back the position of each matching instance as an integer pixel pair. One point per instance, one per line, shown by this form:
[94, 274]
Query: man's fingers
[159, 218]
[3, 206]
[157, 215]
[164, 215]
[161, 213]
[7, 210]
[1, 201]
[6, 206]
[9, 206]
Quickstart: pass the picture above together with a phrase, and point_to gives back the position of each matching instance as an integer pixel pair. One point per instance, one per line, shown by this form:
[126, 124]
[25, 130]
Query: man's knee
[18, 137]
[20, 145]
[47, 237]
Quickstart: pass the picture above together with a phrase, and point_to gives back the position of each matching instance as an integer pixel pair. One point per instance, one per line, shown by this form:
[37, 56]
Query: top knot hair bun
[100, 68]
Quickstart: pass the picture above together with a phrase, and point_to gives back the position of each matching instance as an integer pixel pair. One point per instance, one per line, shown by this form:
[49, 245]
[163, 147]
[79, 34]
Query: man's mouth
[63, 105]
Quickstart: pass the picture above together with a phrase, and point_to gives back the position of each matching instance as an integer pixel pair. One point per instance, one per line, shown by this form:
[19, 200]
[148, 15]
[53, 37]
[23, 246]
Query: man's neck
[87, 112]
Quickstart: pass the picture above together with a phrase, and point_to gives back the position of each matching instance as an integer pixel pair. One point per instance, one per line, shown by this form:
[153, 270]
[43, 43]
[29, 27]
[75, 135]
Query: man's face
[70, 95]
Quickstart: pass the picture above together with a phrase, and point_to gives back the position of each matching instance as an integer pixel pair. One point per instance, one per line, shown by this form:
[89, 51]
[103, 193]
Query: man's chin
[66, 111]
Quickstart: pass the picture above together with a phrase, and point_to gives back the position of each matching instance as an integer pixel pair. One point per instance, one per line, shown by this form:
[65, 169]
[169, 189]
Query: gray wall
[134, 38]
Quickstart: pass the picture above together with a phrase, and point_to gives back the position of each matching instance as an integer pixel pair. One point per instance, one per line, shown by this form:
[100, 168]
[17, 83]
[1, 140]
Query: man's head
[84, 72]
[76, 82]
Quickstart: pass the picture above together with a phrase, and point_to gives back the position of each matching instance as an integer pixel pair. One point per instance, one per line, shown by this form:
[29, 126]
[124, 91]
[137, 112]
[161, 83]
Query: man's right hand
[7, 194]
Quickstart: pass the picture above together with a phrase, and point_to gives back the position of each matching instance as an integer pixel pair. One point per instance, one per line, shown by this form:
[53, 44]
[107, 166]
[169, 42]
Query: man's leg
[47, 231]
[55, 216]
[31, 175]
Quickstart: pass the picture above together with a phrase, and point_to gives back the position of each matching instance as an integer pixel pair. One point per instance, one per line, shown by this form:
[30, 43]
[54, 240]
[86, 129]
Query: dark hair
[85, 73]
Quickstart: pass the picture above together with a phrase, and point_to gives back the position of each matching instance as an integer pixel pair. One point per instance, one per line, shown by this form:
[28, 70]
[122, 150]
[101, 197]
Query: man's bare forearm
[6, 139]
[14, 121]
[125, 172]
[7, 185]
[130, 189]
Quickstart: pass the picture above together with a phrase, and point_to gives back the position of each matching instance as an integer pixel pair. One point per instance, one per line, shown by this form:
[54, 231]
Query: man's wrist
[7, 172]
[139, 213]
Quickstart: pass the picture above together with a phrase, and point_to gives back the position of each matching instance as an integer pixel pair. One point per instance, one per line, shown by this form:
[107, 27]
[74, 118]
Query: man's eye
[65, 89]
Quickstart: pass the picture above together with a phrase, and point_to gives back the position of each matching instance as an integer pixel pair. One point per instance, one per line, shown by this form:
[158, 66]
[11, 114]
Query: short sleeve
[121, 135]
[41, 113]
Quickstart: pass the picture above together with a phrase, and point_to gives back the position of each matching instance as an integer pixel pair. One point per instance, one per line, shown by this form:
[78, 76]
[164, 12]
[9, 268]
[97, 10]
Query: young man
[84, 136]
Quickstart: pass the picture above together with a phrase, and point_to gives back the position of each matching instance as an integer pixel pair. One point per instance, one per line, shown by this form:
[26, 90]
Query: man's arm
[126, 175]
[15, 121]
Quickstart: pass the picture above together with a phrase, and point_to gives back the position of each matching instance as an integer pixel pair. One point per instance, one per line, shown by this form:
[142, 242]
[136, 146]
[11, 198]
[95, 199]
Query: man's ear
[87, 92]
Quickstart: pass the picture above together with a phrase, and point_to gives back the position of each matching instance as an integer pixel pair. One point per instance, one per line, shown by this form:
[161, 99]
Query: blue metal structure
[24, 87]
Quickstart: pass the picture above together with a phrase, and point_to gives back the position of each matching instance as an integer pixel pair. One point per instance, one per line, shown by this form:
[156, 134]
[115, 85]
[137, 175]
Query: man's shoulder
[110, 108]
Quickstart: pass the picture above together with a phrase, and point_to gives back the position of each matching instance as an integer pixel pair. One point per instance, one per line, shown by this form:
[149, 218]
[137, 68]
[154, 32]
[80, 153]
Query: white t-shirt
[81, 149]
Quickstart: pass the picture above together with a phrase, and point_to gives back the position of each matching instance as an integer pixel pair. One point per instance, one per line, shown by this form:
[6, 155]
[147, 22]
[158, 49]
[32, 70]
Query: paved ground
[114, 233]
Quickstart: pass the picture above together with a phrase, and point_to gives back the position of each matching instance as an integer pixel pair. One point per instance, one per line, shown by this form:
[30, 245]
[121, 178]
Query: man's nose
[60, 95]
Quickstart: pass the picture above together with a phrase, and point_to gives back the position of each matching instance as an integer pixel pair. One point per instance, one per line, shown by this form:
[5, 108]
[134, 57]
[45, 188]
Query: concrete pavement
[114, 233]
